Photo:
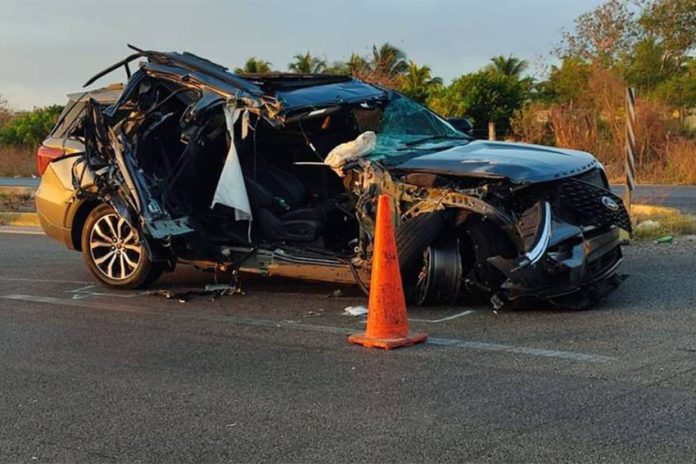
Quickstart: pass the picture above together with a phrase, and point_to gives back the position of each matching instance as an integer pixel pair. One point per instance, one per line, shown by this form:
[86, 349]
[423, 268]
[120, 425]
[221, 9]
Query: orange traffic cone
[387, 322]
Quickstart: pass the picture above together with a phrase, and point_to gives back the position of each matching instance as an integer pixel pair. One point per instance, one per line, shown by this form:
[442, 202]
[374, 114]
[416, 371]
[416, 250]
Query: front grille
[583, 204]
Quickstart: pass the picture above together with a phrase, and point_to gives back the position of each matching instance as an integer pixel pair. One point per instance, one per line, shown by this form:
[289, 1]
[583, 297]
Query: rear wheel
[114, 253]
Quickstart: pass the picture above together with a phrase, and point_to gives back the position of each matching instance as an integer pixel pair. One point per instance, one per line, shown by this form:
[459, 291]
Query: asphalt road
[92, 375]
[682, 197]
[19, 181]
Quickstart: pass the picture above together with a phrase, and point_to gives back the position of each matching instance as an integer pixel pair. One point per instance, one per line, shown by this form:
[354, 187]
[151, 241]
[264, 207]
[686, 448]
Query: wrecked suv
[278, 174]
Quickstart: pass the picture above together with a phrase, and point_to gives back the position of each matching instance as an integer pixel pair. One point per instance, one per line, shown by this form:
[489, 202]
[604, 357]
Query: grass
[17, 161]
[17, 202]
[670, 221]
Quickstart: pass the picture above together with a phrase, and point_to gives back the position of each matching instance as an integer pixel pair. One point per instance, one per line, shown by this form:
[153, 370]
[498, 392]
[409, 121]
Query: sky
[50, 48]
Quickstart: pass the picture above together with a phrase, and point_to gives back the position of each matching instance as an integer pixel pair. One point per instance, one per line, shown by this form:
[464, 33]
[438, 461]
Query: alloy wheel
[115, 247]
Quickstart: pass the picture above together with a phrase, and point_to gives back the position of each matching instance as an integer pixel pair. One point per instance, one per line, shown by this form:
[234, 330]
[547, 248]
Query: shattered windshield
[403, 126]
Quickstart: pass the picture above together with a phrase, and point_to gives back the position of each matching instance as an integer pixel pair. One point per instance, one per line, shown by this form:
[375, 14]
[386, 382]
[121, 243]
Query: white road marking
[84, 292]
[483, 346]
[435, 321]
[292, 325]
[57, 281]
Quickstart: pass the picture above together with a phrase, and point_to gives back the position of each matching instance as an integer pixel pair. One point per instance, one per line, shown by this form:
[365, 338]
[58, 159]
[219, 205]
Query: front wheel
[114, 253]
[412, 239]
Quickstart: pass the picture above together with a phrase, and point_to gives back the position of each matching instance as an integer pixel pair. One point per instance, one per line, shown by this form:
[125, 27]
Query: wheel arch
[459, 242]
[482, 238]
[78, 222]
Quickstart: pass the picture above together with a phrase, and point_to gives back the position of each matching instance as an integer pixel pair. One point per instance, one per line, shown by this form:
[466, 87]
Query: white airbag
[230, 190]
[363, 145]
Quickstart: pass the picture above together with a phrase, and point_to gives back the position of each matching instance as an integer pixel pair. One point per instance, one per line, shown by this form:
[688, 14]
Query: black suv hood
[519, 162]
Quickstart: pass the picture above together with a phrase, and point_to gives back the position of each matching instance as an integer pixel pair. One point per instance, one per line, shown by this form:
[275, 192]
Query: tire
[412, 238]
[114, 253]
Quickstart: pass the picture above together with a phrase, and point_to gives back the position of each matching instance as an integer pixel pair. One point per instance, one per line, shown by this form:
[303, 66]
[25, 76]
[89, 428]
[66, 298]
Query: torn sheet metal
[231, 190]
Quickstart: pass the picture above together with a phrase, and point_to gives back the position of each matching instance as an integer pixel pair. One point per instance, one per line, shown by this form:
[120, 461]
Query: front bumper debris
[573, 262]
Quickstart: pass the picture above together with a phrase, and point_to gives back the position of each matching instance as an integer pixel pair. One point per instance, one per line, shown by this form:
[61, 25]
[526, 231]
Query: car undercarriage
[279, 175]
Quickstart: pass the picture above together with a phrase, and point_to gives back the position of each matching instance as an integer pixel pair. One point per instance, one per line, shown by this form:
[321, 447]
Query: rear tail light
[45, 155]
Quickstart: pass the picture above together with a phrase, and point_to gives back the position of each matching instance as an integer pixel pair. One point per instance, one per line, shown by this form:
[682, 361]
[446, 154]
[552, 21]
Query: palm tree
[307, 64]
[510, 66]
[337, 68]
[254, 65]
[418, 82]
[357, 64]
[388, 60]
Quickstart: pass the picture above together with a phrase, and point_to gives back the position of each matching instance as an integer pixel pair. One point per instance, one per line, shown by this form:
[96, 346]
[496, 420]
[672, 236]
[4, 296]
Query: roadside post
[630, 146]
[491, 130]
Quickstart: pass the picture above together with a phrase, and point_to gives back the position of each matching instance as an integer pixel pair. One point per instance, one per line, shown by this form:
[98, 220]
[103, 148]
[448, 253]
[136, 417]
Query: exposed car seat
[275, 188]
[279, 201]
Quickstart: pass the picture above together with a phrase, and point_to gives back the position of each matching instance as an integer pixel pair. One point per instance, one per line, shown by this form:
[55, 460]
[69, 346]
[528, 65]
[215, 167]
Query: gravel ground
[17, 203]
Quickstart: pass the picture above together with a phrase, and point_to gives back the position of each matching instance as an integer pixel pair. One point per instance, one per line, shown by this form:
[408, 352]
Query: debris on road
[667, 239]
[181, 297]
[355, 311]
[312, 313]
[225, 289]
[212, 290]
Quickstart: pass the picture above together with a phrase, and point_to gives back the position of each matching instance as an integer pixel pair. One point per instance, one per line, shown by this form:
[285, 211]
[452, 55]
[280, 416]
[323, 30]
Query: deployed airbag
[230, 190]
[363, 145]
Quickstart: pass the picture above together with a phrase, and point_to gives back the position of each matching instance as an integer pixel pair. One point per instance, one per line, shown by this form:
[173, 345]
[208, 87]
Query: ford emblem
[610, 203]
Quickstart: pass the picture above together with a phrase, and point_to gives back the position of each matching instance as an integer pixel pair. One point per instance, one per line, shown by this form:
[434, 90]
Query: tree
[645, 69]
[482, 96]
[307, 64]
[671, 24]
[31, 127]
[385, 67]
[5, 112]
[606, 33]
[567, 83]
[509, 66]
[667, 37]
[253, 66]
[388, 60]
[418, 82]
[680, 90]
[357, 64]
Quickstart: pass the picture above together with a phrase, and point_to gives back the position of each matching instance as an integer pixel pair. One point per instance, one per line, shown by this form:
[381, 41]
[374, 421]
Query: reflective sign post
[630, 146]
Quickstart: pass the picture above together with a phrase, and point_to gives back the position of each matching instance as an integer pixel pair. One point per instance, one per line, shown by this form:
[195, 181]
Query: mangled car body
[278, 174]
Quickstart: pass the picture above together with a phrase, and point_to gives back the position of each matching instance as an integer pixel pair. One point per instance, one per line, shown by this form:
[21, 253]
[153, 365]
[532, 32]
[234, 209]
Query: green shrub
[29, 128]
